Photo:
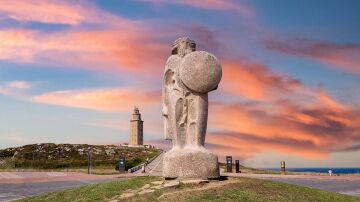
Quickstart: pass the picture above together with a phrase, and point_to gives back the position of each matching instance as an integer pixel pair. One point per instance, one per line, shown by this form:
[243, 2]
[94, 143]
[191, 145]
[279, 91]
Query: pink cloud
[52, 11]
[255, 81]
[219, 5]
[109, 100]
[341, 56]
[108, 49]
[278, 113]
[19, 84]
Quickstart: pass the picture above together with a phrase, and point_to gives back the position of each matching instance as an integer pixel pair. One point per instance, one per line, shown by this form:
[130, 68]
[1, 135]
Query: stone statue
[188, 77]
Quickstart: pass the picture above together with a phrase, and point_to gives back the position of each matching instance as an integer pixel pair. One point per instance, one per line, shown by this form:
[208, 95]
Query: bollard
[283, 169]
[229, 164]
[237, 166]
[143, 169]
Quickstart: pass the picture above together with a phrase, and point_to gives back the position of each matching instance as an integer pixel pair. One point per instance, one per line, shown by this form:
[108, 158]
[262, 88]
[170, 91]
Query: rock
[157, 182]
[127, 195]
[195, 181]
[146, 191]
[157, 187]
[147, 186]
[190, 163]
[172, 183]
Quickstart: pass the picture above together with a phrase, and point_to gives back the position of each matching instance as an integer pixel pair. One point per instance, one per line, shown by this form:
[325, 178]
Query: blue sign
[122, 163]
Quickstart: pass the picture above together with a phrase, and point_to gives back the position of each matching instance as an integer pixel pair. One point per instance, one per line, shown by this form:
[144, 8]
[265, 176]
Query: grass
[233, 189]
[49, 156]
[96, 192]
[260, 190]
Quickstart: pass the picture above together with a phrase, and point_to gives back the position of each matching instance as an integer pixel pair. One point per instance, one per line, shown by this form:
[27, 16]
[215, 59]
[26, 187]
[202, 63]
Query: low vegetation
[232, 189]
[71, 156]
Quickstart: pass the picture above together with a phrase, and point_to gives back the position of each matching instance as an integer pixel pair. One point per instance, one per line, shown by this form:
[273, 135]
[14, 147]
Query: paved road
[340, 186]
[15, 191]
[155, 167]
[349, 185]
[16, 185]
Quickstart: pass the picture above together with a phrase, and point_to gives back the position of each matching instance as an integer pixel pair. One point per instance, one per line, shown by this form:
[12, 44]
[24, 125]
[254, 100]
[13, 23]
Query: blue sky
[71, 72]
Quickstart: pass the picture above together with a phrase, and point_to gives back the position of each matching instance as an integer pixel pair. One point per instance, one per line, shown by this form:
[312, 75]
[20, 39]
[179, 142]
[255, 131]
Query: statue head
[183, 46]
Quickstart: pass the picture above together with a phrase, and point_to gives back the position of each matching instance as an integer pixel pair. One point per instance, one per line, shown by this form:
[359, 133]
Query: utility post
[33, 159]
[282, 167]
[89, 159]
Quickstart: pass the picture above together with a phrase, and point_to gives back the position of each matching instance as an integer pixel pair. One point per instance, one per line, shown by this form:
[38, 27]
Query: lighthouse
[136, 129]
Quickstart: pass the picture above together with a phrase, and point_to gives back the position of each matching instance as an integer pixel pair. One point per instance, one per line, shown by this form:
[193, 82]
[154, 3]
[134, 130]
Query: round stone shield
[200, 71]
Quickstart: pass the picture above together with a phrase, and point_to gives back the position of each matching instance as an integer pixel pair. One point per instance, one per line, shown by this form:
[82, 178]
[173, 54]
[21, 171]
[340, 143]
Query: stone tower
[136, 128]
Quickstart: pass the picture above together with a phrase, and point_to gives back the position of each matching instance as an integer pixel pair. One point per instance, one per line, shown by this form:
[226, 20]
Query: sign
[229, 164]
[122, 164]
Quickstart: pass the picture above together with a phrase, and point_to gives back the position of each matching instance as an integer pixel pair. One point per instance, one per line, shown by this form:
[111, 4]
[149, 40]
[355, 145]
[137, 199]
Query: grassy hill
[232, 189]
[69, 156]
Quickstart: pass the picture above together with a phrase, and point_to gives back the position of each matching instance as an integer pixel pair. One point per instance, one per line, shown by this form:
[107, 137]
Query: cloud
[255, 81]
[114, 44]
[104, 49]
[52, 11]
[277, 112]
[310, 130]
[19, 84]
[228, 143]
[151, 126]
[350, 148]
[217, 5]
[342, 56]
[109, 100]
[16, 89]
[3, 91]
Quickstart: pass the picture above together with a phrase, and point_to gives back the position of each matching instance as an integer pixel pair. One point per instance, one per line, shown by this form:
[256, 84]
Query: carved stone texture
[188, 77]
[200, 71]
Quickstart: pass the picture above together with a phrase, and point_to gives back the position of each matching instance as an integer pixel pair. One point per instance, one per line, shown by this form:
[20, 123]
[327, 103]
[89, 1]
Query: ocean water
[323, 170]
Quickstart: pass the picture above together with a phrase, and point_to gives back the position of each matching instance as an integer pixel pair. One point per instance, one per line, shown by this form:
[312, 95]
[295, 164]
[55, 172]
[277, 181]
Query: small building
[136, 129]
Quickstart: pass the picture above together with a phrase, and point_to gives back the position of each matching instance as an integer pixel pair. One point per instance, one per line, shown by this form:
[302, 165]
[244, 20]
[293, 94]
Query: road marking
[56, 174]
[7, 175]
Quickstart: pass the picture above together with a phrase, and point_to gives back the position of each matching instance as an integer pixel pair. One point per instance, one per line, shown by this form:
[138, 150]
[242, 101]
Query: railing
[138, 167]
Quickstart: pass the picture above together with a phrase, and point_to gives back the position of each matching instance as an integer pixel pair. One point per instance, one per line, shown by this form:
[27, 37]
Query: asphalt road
[339, 186]
[155, 167]
[9, 192]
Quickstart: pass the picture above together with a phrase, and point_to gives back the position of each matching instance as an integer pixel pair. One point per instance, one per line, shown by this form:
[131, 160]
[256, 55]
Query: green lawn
[96, 192]
[233, 189]
[260, 190]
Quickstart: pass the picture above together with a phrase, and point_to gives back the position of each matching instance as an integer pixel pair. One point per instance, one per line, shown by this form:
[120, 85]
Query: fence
[138, 167]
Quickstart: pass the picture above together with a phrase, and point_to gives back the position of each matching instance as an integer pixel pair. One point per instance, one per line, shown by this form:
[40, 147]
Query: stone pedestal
[190, 162]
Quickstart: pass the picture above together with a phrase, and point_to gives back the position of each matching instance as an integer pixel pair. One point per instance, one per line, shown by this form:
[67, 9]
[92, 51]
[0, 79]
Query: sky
[71, 71]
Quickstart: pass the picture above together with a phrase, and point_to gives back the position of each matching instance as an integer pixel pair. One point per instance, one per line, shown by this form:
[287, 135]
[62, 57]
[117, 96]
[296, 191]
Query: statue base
[190, 162]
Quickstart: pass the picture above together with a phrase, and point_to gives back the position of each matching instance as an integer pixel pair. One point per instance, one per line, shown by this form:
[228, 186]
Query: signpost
[89, 160]
[237, 166]
[229, 164]
[122, 164]
[283, 169]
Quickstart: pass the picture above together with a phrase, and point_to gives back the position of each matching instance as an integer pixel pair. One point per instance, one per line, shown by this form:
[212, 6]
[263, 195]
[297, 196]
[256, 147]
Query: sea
[322, 170]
